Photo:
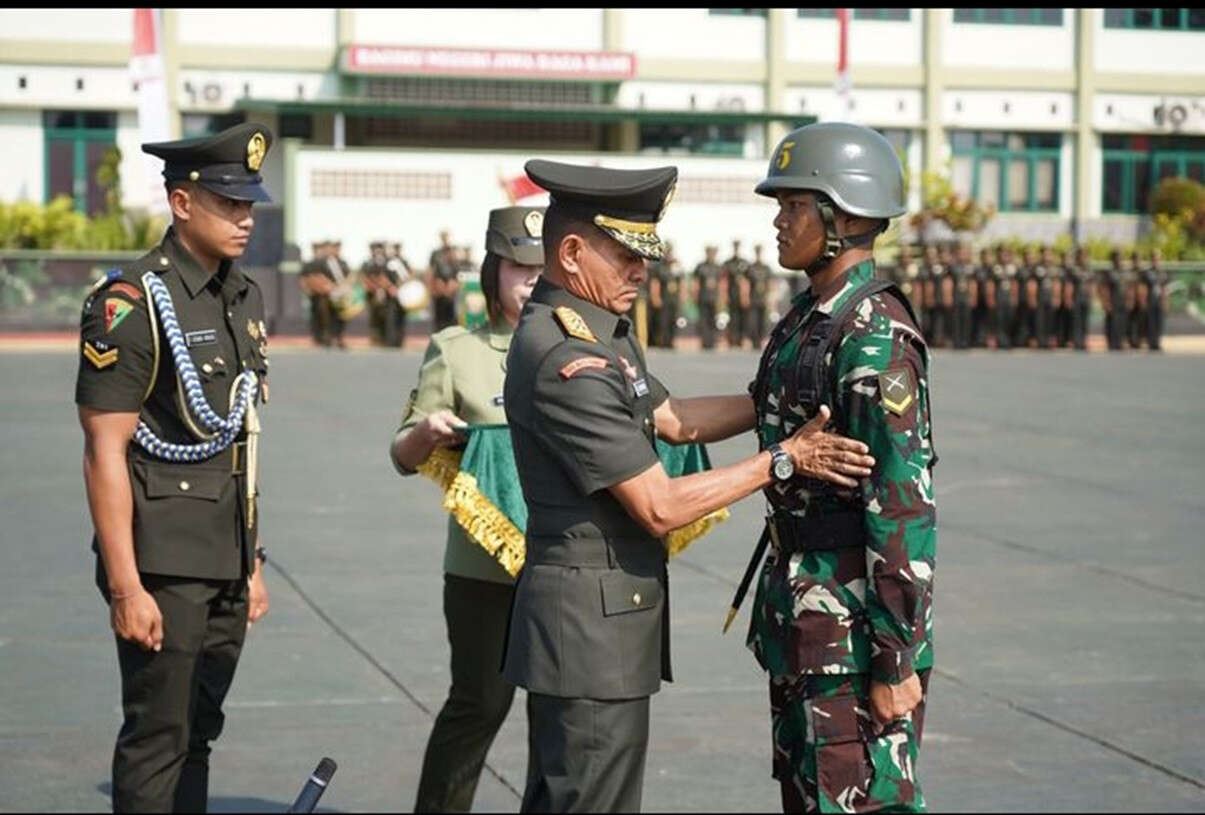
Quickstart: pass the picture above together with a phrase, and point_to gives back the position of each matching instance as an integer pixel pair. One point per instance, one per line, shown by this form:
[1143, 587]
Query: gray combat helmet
[853, 165]
[852, 168]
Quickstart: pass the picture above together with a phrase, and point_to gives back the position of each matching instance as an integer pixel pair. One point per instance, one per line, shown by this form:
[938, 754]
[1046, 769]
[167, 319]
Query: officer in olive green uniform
[589, 667]
[760, 279]
[708, 276]
[184, 348]
[843, 616]
[463, 372]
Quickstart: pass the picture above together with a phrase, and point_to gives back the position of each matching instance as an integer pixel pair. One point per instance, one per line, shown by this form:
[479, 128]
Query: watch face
[784, 468]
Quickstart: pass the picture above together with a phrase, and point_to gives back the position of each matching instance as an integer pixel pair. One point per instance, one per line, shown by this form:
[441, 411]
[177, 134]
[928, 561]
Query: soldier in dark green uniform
[843, 617]
[397, 272]
[317, 285]
[589, 630]
[760, 280]
[983, 304]
[1048, 297]
[1077, 292]
[735, 269]
[708, 276]
[460, 382]
[443, 283]
[174, 359]
[372, 272]
[665, 288]
[1153, 295]
[1111, 291]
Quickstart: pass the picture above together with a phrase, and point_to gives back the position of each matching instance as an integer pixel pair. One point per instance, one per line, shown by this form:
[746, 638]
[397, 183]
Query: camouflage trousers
[827, 757]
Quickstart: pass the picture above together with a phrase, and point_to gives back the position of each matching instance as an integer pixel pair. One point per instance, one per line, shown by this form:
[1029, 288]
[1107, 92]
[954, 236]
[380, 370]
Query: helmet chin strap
[834, 242]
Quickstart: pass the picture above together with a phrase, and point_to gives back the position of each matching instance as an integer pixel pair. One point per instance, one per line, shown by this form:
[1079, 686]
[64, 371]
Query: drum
[412, 295]
[349, 302]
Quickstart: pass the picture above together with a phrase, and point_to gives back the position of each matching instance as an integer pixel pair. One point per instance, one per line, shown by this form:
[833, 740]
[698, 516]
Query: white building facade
[1064, 119]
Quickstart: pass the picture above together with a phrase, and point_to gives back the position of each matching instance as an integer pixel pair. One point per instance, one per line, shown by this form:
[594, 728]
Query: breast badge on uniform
[573, 324]
[581, 364]
[895, 390]
[99, 353]
[116, 310]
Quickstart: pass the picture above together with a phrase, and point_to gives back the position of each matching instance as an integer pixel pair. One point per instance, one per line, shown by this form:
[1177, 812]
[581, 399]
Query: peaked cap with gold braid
[626, 204]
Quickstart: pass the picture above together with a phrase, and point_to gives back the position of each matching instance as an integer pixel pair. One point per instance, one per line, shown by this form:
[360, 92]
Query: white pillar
[340, 131]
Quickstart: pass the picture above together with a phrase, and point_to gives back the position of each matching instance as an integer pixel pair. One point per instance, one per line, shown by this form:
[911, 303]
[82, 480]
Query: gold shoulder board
[573, 324]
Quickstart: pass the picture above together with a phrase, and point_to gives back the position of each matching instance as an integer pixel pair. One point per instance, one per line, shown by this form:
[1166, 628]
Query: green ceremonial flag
[482, 491]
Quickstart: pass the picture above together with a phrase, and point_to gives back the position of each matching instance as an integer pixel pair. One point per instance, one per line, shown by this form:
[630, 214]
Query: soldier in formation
[736, 295]
[760, 282]
[708, 276]
[665, 292]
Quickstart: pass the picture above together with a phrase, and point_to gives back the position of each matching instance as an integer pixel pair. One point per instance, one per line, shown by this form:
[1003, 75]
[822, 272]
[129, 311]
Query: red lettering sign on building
[394, 59]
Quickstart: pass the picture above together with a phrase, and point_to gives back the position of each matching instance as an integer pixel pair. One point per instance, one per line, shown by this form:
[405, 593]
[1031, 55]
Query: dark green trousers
[172, 700]
[476, 612]
[585, 755]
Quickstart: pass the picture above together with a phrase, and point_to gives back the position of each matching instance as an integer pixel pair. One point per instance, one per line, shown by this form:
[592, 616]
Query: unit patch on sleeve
[116, 310]
[100, 354]
[896, 389]
[581, 364]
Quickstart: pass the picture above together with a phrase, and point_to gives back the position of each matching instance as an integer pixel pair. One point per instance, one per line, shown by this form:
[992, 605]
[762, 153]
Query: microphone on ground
[314, 787]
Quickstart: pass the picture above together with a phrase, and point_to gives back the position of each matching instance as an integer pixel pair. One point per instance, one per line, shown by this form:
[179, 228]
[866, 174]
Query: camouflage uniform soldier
[1049, 297]
[708, 275]
[983, 304]
[735, 274]
[963, 276]
[928, 283]
[1007, 288]
[1111, 290]
[843, 618]
[759, 298]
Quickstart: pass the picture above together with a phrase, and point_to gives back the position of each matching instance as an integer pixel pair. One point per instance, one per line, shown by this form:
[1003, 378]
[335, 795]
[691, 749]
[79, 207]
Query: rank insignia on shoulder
[116, 310]
[100, 354]
[581, 364]
[573, 324]
[895, 390]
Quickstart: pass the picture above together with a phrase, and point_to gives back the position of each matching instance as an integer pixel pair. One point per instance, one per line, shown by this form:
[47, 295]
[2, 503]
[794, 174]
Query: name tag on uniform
[207, 336]
[640, 387]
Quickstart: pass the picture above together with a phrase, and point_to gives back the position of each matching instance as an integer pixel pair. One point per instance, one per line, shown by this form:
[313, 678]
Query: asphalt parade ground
[1070, 599]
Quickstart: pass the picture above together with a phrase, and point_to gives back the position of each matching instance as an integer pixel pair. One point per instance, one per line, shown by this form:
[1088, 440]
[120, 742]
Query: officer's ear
[571, 254]
[180, 199]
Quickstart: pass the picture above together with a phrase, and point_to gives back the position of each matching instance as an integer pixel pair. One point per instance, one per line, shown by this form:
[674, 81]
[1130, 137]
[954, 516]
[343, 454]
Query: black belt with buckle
[841, 530]
[235, 456]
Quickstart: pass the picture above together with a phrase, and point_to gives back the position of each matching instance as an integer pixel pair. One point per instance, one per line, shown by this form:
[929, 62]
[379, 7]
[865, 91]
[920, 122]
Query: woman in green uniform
[461, 382]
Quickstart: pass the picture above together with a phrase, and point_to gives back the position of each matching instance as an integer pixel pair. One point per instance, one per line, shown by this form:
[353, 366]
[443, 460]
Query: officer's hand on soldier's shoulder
[444, 428]
[136, 617]
[827, 456]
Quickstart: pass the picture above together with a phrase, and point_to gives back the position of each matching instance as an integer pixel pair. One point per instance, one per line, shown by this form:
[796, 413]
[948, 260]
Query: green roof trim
[590, 113]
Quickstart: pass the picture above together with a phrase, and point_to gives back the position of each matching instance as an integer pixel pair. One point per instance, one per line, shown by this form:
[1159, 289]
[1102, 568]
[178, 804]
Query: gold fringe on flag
[489, 528]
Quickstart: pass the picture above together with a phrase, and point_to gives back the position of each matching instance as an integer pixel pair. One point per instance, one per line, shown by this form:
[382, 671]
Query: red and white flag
[843, 84]
[147, 73]
[519, 187]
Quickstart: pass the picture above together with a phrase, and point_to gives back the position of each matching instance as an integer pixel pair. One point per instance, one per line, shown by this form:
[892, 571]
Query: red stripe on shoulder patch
[129, 290]
[581, 364]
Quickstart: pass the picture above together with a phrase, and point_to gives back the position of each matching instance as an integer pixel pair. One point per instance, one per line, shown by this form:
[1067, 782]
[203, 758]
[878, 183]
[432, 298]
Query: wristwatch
[782, 466]
[261, 553]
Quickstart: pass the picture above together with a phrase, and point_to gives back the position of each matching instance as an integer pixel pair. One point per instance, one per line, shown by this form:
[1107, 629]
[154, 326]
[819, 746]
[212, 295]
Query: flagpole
[843, 84]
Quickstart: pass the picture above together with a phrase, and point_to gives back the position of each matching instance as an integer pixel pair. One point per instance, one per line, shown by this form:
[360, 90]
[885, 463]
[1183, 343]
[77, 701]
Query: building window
[77, 142]
[895, 14]
[296, 126]
[193, 125]
[1167, 19]
[1134, 164]
[683, 139]
[818, 12]
[746, 12]
[1010, 16]
[1015, 172]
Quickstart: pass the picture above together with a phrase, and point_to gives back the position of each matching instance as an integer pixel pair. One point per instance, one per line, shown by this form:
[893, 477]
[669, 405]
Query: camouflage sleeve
[883, 388]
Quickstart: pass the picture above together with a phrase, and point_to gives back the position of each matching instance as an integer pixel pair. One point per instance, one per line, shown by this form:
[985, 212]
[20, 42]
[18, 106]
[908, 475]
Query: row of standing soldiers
[741, 288]
[334, 290]
[1043, 301]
